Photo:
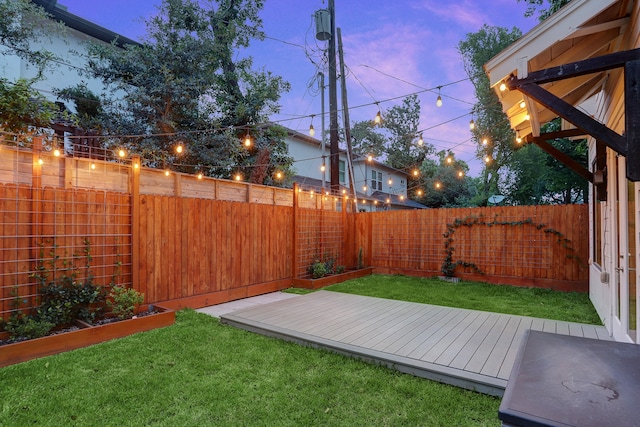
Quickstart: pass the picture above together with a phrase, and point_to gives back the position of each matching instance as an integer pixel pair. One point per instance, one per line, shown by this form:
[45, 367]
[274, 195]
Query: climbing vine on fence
[449, 266]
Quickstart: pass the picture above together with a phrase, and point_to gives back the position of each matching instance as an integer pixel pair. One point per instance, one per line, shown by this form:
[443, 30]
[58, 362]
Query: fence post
[294, 252]
[135, 222]
[36, 202]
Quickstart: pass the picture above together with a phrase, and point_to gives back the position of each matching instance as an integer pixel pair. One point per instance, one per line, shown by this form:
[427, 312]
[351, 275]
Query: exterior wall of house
[70, 46]
[388, 180]
[614, 278]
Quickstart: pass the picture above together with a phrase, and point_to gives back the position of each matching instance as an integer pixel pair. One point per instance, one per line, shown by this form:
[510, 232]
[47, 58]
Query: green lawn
[543, 303]
[199, 372]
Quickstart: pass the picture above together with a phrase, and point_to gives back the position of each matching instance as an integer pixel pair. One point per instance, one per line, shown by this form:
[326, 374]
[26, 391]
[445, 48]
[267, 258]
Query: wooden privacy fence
[185, 241]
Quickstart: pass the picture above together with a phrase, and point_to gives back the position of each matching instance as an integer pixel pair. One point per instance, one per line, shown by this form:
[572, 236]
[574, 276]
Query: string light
[487, 159]
[416, 172]
[56, 152]
[390, 181]
[438, 185]
[370, 158]
[323, 168]
[401, 197]
[449, 159]
[247, 140]
[522, 104]
[199, 175]
[420, 141]
[518, 138]
[238, 177]
[378, 119]
[364, 188]
[503, 87]
[93, 166]
[278, 175]
[167, 173]
[472, 124]
[312, 131]
[439, 100]
[122, 153]
[485, 141]
[40, 161]
[460, 174]
[419, 193]
[179, 148]
[527, 117]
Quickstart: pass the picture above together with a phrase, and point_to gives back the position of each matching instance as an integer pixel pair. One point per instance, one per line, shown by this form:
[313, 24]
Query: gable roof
[582, 29]
[60, 13]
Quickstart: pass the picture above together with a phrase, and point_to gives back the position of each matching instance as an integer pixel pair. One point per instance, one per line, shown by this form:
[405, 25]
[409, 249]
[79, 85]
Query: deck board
[466, 348]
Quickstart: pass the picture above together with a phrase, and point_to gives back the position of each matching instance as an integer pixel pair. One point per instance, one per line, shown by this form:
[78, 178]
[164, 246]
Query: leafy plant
[360, 259]
[124, 301]
[24, 327]
[340, 269]
[318, 270]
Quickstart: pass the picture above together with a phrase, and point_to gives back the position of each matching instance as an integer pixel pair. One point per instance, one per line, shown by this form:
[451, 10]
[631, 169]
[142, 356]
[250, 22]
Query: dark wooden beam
[541, 141]
[568, 133]
[575, 116]
[575, 69]
[632, 118]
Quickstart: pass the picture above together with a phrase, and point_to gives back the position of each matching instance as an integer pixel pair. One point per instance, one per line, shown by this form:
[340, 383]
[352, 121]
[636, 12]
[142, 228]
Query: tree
[443, 182]
[492, 134]
[21, 24]
[538, 178]
[183, 85]
[22, 108]
[554, 6]
[366, 140]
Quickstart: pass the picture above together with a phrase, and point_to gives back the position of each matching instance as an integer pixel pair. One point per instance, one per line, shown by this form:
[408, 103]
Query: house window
[341, 171]
[376, 180]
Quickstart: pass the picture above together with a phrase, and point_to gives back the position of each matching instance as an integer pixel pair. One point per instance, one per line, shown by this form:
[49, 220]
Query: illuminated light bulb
[419, 192]
[56, 152]
[378, 119]
[527, 117]
[518, 138]
[420, 141]
[40, 161]
[485, 141]
[136, 166]
[375, 202]
[200, 175]
[460, 174]
[93, 166]
[390, 181]
[323, 168]
[166, 173]
[238, 177]
[388, 200]
[449, 160]
[415, 172]
[247, 140]
[122, 153]
[344, 191]
[179, 148]
[401, 198]
[370, 158]
[487, 159]
[279, 175]
[522, 104]
[364, 188]
[312, 131]
[472, 124]
[439, 101]
[438, 185]
[364, 201]
[326, 193]
[503, 87]
[311, 194]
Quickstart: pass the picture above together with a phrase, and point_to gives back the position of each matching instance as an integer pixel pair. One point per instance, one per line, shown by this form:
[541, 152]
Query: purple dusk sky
[392, 49]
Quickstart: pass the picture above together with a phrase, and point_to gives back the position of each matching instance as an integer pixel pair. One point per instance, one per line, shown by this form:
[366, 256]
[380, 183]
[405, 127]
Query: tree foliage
[538, 178]
[443, 182]
[22, 108]
[543, 13]
[492, 134]
[184, 84]
[21, 24]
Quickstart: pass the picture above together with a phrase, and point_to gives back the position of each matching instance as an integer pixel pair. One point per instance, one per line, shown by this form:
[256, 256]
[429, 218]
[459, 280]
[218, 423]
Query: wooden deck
[466, 348]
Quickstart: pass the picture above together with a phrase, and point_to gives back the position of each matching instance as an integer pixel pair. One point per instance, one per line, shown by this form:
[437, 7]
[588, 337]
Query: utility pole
[345, 115]
[334, 158]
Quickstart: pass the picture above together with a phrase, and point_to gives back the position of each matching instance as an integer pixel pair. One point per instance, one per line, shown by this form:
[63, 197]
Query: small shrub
[124, 301]
[23, 327]
[340, 269]
[318, 270]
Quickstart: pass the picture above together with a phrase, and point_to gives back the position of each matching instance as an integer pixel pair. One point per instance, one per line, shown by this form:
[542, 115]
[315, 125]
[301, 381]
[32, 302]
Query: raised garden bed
[332, 279]
[84, 336]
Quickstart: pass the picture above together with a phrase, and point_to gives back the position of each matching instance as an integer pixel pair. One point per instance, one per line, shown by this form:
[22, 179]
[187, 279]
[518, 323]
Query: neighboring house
[378, 186]
[583, 64]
